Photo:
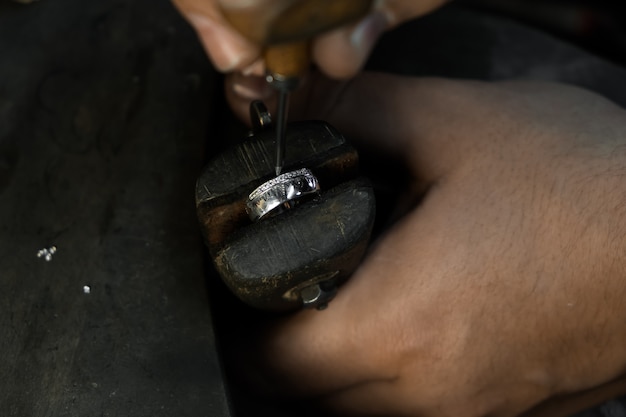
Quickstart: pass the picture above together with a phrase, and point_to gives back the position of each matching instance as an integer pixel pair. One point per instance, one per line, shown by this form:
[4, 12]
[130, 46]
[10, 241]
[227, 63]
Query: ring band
[280, 192]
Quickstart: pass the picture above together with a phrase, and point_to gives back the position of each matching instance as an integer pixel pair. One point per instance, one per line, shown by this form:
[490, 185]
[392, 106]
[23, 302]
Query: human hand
[339, 53]
[505, 285]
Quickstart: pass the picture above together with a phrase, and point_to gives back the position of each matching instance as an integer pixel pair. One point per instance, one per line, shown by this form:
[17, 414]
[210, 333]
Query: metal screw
[317, 296]
[259, 116]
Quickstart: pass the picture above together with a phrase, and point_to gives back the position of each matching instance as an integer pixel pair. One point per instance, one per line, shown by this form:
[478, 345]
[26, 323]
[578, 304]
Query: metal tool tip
[278, 170]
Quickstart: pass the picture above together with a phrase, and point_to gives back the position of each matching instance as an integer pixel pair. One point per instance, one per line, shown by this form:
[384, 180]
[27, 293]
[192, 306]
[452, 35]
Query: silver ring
[281, 192]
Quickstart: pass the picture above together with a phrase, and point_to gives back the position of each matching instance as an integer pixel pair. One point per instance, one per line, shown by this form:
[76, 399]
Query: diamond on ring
[281, 192]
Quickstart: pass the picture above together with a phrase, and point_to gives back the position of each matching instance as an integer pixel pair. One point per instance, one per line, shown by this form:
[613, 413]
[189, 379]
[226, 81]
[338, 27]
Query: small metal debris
[47, 253]
[86, 289]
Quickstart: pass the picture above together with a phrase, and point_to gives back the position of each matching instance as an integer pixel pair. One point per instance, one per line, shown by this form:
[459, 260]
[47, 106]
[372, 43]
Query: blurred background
[598, 26]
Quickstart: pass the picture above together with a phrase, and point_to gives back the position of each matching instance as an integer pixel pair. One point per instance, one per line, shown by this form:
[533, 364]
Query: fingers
[570, 404]
[241, 90]
[417, 120]
[355, 352]
[339, 349]
[353, 44]
[414, 119]
[232, 52]
[399, 11]
[229, 50]
[369, 398]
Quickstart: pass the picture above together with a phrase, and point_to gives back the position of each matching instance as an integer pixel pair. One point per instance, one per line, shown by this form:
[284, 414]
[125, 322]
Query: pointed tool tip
[278, 170]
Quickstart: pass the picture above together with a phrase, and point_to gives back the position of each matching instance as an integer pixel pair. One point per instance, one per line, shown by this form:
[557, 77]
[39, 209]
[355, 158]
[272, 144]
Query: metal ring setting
[281, 192]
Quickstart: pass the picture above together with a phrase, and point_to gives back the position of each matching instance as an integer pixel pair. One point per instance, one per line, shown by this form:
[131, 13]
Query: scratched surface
[103, 110]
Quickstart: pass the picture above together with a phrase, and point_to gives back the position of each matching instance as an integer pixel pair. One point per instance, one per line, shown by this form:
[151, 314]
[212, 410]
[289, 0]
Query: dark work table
[108, 109]
[104, 110]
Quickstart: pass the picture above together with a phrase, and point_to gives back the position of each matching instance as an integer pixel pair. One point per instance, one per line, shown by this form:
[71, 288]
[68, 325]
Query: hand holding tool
[284, 28]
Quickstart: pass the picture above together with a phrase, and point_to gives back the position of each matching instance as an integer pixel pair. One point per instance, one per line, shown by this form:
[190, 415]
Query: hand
[505, 285]
[232, 53]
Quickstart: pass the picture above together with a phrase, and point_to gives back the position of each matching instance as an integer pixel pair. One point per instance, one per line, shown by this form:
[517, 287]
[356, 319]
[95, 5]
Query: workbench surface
[103, 113]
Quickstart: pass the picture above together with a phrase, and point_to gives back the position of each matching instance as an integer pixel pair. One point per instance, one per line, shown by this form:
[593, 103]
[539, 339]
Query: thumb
[354, 43]
[413, 119]
[228, 50]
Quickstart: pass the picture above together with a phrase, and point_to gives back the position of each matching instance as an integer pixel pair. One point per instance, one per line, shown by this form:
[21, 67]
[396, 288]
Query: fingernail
[366, 33]
[251, 87]
[257, 68]
[222, 45]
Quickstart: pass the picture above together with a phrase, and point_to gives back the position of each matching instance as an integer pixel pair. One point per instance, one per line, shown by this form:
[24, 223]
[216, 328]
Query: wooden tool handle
[287, 61]
[285, 26]
[272, 22]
